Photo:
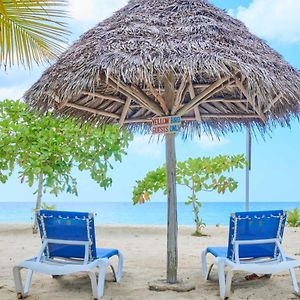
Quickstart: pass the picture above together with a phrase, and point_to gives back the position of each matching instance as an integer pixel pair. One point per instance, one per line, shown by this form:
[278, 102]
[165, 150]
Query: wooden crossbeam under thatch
[125, 111]
[137, 94]
[225, 100]
[203, 116]
[159, 98]
[278, 97]
[250, 99]
[179, 93]
[192, 95]
[103, 96]
[202, 95]
[93, 110]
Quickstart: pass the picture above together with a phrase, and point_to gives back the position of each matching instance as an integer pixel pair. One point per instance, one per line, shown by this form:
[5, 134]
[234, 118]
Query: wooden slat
[195, 101]
[224, 116]
[125, 111]
[225, 100]
[179, 93]
[137, 94]
[93, 110]
[273, 102]
[193, 94]
[203, 116]
[169, 84]
[249, 98]
[159, 98]
[103, 96]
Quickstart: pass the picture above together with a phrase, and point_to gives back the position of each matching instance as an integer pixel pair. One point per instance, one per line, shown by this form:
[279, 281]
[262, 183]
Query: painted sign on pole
[169, 124]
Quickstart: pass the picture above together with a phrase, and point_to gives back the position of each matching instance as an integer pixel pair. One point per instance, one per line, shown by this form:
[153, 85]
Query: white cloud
[210, 141]
[93, 11]
[272, 19]
[143, 145]
[13, 92]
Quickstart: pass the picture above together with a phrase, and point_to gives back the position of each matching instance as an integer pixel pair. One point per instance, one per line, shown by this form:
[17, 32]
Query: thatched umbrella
[182, 58]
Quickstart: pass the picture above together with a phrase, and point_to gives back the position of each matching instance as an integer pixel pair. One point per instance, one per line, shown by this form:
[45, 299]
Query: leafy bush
[293, 218]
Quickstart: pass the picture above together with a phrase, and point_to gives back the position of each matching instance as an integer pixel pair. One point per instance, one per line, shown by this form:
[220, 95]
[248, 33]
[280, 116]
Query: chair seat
[106, 252]
[218, 251]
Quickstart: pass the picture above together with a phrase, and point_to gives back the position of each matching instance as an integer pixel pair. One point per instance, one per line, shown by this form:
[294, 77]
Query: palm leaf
[31, 31]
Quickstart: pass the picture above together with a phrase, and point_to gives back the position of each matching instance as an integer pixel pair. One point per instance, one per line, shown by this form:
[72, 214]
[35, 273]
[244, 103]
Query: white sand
[144, 248]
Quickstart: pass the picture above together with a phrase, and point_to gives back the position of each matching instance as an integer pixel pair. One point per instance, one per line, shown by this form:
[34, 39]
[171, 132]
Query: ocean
[150, 213]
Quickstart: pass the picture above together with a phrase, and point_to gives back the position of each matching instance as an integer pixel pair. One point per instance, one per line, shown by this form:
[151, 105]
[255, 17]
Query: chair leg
[18, 283]
[295, 283]
[103, 263]
[228, 283]
[28, 281]
[205, 273]
[119, 272]
[93, 278]
[221, 275]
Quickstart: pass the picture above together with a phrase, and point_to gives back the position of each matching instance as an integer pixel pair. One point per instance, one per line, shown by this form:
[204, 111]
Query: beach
[144, 249]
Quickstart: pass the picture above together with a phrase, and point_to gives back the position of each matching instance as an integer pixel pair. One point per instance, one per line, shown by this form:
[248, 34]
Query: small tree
[198, 174]
[46, 149]
[293, 218]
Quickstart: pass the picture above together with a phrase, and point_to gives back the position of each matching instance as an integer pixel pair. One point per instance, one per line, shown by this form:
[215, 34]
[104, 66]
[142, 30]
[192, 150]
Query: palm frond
[31, 31]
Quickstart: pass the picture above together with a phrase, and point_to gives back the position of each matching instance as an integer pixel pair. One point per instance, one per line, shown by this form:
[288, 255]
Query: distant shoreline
[150, 213]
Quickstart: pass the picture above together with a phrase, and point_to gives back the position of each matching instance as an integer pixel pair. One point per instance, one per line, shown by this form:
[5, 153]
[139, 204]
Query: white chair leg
[204, 263]
[103, 263]
[294, 281]
[18, 282]
[93, 278]
[28, 281]
[228, 283]
[119, 272]
[221, 275]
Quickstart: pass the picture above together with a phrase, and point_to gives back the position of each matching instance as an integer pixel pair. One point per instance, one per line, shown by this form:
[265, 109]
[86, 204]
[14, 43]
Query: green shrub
[293, 218]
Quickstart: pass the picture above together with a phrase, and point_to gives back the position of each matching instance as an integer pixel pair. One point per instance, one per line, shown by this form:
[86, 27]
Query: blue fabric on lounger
[69, 246]
[255, 225]
[254, 245]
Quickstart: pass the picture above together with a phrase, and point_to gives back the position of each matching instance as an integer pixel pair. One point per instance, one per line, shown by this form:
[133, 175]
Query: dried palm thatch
[171, 57]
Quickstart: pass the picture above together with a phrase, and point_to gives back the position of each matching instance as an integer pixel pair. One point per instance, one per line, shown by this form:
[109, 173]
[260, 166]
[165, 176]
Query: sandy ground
[144, 249]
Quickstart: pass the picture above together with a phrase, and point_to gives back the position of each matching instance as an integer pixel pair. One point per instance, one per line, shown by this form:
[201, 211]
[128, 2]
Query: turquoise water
[149, 213]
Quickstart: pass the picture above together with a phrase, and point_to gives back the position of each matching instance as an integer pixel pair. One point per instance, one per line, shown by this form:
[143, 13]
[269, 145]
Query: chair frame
[57, 267]
[259, 265]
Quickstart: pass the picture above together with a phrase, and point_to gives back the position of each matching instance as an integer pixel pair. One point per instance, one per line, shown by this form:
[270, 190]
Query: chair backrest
[67, 226]
[256, 225]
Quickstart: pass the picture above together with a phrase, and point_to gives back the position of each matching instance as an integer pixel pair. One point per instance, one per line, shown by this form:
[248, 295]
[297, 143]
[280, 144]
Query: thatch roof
[163, 57]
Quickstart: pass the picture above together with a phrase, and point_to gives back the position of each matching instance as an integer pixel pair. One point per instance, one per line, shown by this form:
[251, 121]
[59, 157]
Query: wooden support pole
[248, 156]
[172, 229]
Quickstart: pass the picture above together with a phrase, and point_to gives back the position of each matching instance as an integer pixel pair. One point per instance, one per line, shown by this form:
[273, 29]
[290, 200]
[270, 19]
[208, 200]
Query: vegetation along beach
[149, 149]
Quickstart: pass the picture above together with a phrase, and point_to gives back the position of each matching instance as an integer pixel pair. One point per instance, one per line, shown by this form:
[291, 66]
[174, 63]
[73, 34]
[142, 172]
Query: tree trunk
[196, 212]
[172, 256]
[38, 203]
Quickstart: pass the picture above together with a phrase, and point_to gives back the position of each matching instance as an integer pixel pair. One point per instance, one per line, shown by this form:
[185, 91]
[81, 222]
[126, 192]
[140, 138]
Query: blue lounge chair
[254, 246]
[68, 246]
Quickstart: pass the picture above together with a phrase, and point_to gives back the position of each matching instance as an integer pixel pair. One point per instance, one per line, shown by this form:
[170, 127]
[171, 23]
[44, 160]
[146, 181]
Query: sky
[275, 168]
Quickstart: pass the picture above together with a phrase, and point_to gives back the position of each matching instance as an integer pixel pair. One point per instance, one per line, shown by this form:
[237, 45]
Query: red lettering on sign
[160, 121]
[160, 129]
